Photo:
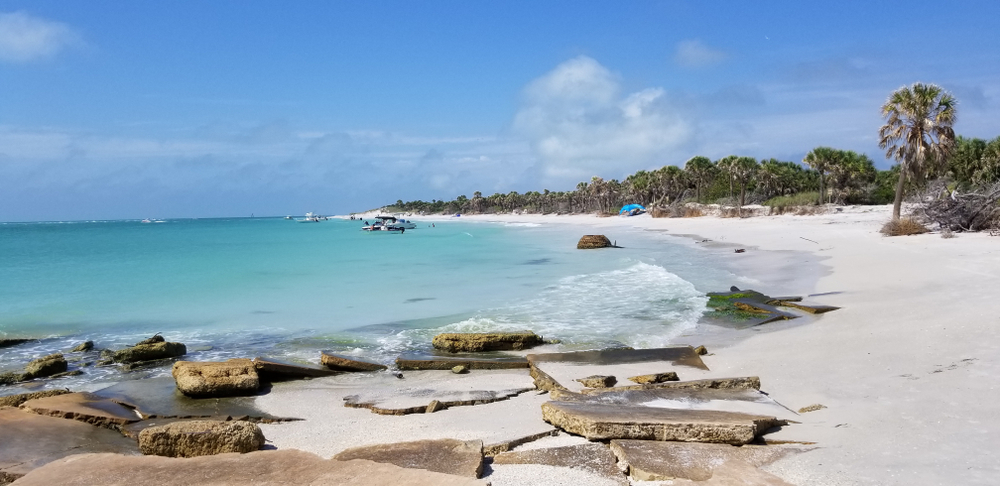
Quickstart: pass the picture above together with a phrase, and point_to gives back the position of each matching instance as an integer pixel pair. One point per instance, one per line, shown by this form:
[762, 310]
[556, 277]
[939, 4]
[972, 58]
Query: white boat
[386, 223]
[405, 223]
[147, 220]
[310, 218]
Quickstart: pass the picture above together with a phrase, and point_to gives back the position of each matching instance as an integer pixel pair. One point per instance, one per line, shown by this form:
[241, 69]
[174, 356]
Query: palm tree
[725, 165]
[700, 171]
[822, 159]
[743, 169]
[917, 132]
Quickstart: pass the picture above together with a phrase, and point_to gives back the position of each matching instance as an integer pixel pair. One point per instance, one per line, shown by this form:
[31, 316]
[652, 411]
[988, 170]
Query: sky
[112, 109]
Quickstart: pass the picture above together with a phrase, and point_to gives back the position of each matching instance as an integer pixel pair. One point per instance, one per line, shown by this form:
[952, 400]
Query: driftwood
[976, 210]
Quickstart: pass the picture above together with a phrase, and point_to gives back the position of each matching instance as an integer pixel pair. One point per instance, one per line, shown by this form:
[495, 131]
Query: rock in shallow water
[200, 438]
[456, 342]
[149, 352]
[216, 379]
[343, 363]
[588, 242]
[47, 366]
[84, 346]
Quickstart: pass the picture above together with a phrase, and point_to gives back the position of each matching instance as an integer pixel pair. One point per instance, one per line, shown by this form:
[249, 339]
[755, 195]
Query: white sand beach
[907, 368]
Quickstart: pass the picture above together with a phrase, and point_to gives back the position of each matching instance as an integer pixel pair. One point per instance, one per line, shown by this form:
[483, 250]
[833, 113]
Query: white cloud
[580, 125]
[26, 38]
[695, 54]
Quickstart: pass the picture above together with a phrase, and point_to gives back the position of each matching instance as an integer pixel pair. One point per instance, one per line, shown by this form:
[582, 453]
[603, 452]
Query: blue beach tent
[632, 209]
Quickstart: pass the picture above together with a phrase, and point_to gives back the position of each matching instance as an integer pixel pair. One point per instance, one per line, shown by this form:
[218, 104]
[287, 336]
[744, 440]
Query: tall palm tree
[822, 159]
[725, 165]
[700, 171]
[917, 132]
[743, 170]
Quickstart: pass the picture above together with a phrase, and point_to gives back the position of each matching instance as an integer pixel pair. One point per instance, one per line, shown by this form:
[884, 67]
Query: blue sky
[175, 109]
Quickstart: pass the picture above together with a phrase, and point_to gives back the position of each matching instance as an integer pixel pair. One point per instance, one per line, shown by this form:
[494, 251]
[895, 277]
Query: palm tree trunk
[897, 203]
[822, 188]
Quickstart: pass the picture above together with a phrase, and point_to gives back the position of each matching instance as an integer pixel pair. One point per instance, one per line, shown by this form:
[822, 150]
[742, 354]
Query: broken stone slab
[216, 379]
[83, 347]
[598, 381]
[658, 461]
[563, 369]
[275, 370]
[754, 306]
[423, 362]
[543, 381]
[782, 299]
[28, 441]
[17, 400]
[457, 342]
[496, 448]
[450, 456]
[266, 468]
[594, 458]
[748, 401]
[598, 421]
[740, 383]
[810, 308]
[194, 438]
[149, 352]
[46, 366]
[340, 362]
[416, 394]
[158, 398]
[85, 407]
[654, 378]
[589, 242]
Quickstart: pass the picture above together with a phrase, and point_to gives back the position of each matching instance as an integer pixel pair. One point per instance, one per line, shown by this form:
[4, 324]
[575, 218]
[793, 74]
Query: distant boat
[310, 218]
[288, 217]
[147, 220]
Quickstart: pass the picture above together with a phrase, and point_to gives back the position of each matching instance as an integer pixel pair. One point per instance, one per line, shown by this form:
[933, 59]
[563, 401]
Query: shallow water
[268, 286]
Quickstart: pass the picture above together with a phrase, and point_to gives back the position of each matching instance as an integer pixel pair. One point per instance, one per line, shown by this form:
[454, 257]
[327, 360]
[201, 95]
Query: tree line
[917, 134]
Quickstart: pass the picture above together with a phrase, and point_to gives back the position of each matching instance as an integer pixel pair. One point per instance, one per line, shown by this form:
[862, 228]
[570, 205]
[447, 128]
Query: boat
[288, 217]
[386, 223]
[147, 220]
[405, 223]
[310, 218]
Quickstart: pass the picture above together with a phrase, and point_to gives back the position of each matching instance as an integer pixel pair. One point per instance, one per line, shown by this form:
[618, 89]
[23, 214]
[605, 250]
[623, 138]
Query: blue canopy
[631, 207]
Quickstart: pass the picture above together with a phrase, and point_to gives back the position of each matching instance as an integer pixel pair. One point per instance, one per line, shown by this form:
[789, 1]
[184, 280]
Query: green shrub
[797, 199]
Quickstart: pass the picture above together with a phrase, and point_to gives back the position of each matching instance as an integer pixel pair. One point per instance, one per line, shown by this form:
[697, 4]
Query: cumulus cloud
[580, 124]
[26, 38]
[695, 54]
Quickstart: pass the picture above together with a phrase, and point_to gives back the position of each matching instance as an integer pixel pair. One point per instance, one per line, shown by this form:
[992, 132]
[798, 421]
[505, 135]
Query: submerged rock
[47, 366]
[149, 352]
[84, 346]
[6, 343]
[455, 342]
[200, 438]
[588, 242]
[343, 363]
[216, 379]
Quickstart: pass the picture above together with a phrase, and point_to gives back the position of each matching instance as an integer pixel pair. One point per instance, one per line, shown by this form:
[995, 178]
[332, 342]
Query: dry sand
[908, 368]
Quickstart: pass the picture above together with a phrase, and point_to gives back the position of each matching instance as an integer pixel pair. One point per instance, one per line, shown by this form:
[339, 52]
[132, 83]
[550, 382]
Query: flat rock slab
[810, 308]
[85, 407]
[601, 421]
[329, 428]
[194, 438]
[289, 467]
[340, 362]
[738, 383]
[457, 342]
[565, 368]
[747, 401]
[17, 400]
[656, 461]
[28, 441]
[418, 390]
[275, 370]
[450, 456]
[158, 398]
[427, 362]
[594, 458]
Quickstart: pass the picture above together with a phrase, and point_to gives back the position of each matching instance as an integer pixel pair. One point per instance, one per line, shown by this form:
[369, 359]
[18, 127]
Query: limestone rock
[200, 438]
[462, 458]
[740, 383]
[543, 381]
[262, 468]
[216, 379]
[701, 350]
[17, 400]
[343, 363]
[598, 381]
[812, 309]
[84, 346]
[274, 370]
[598, 421]
[434, 406]
[593, 241]
[149, 352]
[594, 458]
[47, 366]
[155, 339]
[460, 369]
[812, 408]
[6, 343]
[655, 378]
[659, 461]
[455, 342]
[10, 378]
[85, 407]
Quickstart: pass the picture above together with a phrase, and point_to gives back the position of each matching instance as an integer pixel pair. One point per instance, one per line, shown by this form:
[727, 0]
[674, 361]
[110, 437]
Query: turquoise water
[268, 286]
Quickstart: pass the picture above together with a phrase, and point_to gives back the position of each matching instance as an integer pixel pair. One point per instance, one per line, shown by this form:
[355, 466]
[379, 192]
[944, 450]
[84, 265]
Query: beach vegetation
[917, 133]
[792, 200]
[903, 227]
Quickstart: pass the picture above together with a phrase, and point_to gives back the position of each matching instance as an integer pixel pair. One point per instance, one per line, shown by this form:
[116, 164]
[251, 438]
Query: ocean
[246, 287]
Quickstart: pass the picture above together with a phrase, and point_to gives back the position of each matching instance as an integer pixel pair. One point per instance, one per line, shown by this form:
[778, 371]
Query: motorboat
[387, 223]
[310, 218]
[147, 220]
[405, 223]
